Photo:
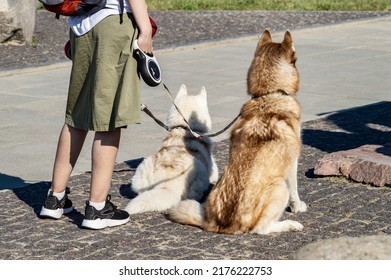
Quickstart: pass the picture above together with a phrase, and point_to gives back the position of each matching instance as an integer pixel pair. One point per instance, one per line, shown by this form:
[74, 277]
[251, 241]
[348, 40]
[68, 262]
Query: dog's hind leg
[281, 226]
[295, 204]
[153, 200]
[214, 172]
[273, 207]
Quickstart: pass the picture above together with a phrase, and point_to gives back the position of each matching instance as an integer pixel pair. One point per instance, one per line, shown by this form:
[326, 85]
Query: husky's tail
[188, 212]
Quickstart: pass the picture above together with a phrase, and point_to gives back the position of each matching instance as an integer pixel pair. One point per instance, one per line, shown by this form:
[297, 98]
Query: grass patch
[274, 5]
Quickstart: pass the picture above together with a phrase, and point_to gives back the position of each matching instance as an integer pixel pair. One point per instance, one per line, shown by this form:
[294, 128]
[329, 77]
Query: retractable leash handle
[148, 67]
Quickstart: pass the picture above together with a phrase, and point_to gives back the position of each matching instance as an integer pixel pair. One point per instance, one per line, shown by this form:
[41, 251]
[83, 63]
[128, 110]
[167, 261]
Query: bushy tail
[188, 212]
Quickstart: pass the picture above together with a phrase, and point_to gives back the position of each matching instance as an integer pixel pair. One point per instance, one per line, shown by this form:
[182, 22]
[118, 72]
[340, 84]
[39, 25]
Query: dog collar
[193, 133]
[179, 126]
[281, 91]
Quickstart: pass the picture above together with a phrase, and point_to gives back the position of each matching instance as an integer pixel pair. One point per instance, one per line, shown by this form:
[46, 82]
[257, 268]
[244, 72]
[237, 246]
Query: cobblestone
[337, 207]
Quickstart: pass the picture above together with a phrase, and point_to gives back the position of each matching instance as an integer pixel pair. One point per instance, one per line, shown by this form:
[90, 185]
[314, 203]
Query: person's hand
[140, 12]
[145, 43]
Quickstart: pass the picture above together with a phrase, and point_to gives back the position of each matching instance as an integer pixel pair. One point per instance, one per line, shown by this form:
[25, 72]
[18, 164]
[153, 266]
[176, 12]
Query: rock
[374, 247]
[366, 164]
[17, 20]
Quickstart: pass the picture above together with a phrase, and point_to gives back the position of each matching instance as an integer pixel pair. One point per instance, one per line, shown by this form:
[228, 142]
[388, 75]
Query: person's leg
[70, 143]
[104, 154]
[100, 211]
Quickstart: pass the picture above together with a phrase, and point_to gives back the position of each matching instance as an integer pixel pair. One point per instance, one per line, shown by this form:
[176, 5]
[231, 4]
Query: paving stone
[336, 205]
[336, 208]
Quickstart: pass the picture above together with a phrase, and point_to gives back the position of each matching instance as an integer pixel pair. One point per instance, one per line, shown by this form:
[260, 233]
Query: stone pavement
[342, 66]
[346, 103]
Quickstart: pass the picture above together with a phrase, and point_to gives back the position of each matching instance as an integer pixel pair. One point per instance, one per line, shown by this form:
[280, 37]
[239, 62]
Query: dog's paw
[293, 226]
[132, 208]
[281, 226]
[298, 206]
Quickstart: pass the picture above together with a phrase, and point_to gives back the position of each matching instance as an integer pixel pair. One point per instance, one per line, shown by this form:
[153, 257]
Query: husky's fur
[260, 180]
[184, 167]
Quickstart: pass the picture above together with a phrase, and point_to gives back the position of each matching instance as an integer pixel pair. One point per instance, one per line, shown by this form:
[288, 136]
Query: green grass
[289, 5]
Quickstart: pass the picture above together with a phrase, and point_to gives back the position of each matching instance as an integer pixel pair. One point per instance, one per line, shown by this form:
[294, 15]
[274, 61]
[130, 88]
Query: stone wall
[17, 20]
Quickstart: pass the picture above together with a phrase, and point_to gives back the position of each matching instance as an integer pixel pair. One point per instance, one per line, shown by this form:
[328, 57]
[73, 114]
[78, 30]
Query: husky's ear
[182, 91]
[203, 92]
[287, 43]
[265, 38]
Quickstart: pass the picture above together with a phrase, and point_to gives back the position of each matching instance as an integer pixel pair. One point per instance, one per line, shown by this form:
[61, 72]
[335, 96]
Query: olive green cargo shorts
[104, 89]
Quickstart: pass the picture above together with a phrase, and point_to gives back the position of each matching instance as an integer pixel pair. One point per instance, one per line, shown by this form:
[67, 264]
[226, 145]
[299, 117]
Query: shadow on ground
[349, 129]
[9, 182]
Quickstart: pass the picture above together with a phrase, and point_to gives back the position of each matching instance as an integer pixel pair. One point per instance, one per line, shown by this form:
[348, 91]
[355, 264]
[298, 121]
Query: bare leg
[70, 143]
[104, 154]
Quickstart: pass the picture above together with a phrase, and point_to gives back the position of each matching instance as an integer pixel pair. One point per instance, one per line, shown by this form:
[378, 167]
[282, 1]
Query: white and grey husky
[184, 167]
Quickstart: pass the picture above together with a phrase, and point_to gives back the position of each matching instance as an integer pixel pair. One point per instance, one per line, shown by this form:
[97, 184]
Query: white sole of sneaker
[103, 223]
[54, 214]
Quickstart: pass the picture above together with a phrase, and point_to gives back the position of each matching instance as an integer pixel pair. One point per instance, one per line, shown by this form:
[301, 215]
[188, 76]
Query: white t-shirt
[82, 24]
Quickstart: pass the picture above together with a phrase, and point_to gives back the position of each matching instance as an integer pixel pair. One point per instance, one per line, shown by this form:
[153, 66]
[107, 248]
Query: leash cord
[195, 134]
[225, 128]
[145, 109]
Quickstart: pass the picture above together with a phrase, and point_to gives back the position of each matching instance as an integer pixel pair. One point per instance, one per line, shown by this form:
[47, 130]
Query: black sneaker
[109, 216]
[54, 208]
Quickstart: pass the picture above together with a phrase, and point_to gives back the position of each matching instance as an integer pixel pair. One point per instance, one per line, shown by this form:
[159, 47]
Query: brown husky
[260, 179]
